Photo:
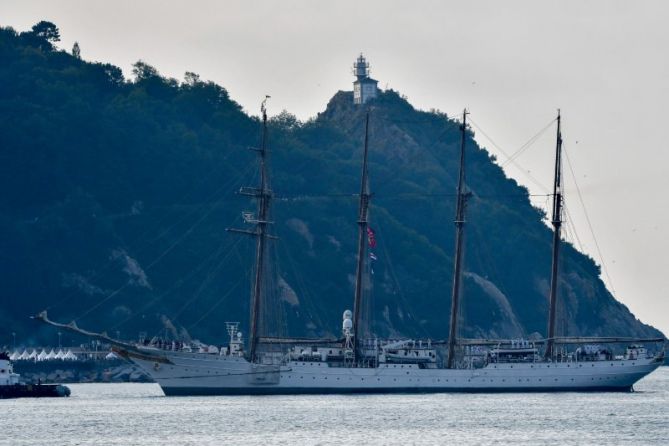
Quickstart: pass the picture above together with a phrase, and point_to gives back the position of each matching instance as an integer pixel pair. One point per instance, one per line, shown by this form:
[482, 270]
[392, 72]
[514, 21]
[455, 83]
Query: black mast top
[263, 196]
[557, 224]
[362, 238]
[459, 234]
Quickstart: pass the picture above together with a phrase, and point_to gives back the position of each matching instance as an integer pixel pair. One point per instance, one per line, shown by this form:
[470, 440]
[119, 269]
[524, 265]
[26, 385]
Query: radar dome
[347, 315]
[347, 324]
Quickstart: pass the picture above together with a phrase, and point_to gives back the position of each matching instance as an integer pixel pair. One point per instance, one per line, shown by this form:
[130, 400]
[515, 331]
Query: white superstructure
[7, 375]
[399, 366]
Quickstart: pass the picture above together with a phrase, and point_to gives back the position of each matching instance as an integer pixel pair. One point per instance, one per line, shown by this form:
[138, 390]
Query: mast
[263, 196]
[557, 224]
[362, 239]
[459, 234]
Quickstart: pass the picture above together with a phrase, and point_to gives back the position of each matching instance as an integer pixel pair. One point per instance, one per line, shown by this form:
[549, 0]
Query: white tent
[51, 355]
[23, 356]
[42, 356]
[33, 355]
[111, 356]
[69, 356]
[60, 354]
[14, 356]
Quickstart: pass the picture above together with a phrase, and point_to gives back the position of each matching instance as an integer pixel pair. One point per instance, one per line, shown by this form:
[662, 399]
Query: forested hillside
[116, 194]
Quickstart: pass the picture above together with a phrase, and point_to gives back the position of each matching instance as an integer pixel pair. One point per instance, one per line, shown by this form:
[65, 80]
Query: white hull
[181, 373]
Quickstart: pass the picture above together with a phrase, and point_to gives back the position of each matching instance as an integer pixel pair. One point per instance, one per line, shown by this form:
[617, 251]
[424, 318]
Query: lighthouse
[364, 87]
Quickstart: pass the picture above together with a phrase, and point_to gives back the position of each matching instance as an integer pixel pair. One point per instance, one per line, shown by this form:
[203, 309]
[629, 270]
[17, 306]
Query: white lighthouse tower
[364, 87]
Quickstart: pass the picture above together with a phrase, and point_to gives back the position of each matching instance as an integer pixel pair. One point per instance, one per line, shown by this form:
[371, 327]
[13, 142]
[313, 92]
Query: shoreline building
[364, 87]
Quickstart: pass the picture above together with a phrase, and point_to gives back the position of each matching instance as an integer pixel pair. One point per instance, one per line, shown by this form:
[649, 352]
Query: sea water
[139, 414]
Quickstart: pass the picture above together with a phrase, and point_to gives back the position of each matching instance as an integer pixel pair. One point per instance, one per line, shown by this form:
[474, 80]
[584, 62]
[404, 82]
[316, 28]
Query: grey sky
[512, 63]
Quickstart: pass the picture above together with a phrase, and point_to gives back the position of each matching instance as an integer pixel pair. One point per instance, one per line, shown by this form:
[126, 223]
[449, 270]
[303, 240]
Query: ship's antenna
[557, 224]
[263, 196]
[363, 227]
[459, 234]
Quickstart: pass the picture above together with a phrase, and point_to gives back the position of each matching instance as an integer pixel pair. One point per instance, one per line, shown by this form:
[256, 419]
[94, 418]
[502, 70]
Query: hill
[116, 194]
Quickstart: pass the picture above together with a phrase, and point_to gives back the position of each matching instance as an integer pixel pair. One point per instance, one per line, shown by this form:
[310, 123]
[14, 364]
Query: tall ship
[354, 364]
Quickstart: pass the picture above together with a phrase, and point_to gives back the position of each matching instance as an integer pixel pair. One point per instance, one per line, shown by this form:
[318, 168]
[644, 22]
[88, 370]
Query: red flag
[370, 238]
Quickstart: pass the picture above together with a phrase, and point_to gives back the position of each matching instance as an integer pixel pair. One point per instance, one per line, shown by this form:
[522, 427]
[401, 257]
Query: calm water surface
[138, 414]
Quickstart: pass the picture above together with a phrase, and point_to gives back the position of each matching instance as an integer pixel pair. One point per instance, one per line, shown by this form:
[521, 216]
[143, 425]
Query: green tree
[191, 78]
[142, 70]
[47, 31]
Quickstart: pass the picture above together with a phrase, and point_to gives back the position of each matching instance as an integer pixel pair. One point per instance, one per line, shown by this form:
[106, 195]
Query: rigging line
[445, 194]
[301, 197]
[587, 219]
[241, 279]
[202, 205]
[219, 302]
[298, 197]
[311, 307]
[390, 176]
[528, 144]
[188, 194]
[570, 221]
[433, 119]
[523, 171]
[103, 269]
[174, 320]
[215, 253]
[277, 320]
[391, 269]
[449, 120]
[525, 146]
[185, 234]
[205, 283]
[485, 244]
[158, 259]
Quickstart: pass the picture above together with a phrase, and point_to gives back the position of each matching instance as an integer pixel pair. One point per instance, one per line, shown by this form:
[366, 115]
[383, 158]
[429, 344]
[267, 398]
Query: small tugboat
[12, 387]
